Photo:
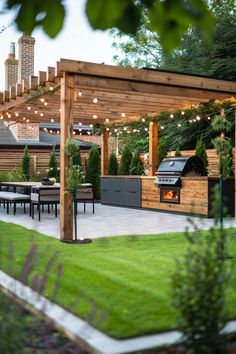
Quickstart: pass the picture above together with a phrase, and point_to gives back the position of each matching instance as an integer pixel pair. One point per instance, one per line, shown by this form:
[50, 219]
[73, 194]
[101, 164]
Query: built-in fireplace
[169, 176]
[170, 195]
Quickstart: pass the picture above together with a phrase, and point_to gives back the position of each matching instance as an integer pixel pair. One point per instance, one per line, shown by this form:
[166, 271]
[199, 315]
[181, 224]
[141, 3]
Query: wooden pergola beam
[104, 152]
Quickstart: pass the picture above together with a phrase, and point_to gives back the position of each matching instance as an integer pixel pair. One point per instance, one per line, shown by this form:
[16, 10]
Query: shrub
[93, 170]
[178, 153]
[25, 165]
[53, 164]
[162, 151]
[125, 161]
[77, 157]
[136, 167]
[112, 168]
[200, 151]
[199, 290]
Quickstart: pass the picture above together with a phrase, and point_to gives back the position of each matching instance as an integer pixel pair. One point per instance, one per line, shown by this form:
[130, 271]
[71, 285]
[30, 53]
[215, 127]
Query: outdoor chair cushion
[13, 196]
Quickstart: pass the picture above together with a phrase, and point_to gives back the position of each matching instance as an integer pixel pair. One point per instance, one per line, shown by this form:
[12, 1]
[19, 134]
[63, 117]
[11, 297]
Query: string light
[29, 108]
[51, 88]
[162, 127]
[74, 132]
[172, 115]
[1, 117]
[123, 115]
[198, 118]
[24, 118]
[182, 112]
[95, 116]
[58, 131]
[79, 93]
[107, 120]
[91, 125]
[42, 99]
[209, 118]
[16, 114]
[143, 120]
[45, 103]
[107, 129]
[95, 100]
[179, 125]
[146, 129]
[36, 112]
[27, 120]
[41, 114]
[125, 128]
[52, 120]
[88, 133]
[80, 123]
[50, 131]
[60, 110]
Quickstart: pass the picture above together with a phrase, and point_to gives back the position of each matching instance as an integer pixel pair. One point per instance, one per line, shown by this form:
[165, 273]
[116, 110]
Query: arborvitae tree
[125, 161]
[53, 164]
[25, 165]
[77, 158]
[162, 150]
[93, 170]
[112, 165]
[178, 153]
[136, 167]
[200, 151]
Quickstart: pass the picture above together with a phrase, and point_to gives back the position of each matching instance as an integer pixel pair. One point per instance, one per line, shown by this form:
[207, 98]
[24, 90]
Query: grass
[128, 278]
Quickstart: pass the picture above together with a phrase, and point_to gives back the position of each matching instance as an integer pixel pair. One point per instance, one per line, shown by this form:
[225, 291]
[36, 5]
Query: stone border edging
[85, 335]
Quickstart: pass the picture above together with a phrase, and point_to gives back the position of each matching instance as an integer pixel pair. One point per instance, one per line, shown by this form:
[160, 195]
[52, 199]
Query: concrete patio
[110, 221]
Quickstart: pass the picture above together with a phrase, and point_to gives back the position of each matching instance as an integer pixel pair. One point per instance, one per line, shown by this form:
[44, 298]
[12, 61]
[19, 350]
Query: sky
[77, 40]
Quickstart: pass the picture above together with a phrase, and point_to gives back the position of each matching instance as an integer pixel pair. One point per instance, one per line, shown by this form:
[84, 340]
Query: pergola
[82, 92]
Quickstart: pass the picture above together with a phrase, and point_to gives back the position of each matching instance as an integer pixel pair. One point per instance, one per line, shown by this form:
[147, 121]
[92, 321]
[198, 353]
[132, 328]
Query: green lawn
[128, 278]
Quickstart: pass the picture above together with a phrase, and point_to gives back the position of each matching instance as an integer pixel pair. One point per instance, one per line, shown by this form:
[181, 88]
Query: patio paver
[111, 221]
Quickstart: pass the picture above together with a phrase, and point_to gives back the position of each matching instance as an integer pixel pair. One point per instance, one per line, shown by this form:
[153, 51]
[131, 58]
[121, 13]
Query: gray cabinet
[121, 191]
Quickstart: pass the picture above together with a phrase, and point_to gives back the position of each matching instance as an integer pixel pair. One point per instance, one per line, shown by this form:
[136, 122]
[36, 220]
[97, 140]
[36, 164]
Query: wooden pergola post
[67, 99]
[153, 146]
[235, 166]
[104, 152]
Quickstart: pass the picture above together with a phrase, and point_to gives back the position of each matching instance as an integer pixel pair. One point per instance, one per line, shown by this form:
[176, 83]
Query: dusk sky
[76, 41]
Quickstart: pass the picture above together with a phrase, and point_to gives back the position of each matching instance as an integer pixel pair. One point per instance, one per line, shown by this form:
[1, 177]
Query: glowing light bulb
[95, 100]
[172, 115]
[29, 108]
[107, 120]
[123, 115]
[52, 120]
[79, 93]
[95, 116]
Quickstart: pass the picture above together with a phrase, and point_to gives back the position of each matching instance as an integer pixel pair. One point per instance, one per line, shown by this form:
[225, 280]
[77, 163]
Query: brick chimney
[11, 68]
[26, 57]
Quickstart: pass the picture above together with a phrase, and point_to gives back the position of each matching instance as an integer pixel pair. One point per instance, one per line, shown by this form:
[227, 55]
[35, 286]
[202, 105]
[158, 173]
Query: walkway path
[111, 221]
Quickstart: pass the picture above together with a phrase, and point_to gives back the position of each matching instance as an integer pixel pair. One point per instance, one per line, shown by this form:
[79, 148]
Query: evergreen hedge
[77, 158]
[200, 151]
[136, 167]
[125, 161]
[112, 168]
[93, 170]
[53, 172]
[25, 164]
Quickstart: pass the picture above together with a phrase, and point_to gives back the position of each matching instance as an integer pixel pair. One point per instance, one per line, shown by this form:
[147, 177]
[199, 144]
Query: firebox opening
[170, 195]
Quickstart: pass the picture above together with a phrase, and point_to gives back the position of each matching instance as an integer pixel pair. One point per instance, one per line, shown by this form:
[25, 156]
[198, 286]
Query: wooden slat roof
[121, 93]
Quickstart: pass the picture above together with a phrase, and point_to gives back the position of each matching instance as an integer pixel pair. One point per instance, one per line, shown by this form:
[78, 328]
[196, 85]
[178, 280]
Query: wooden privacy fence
[38, 164]
[212, 159]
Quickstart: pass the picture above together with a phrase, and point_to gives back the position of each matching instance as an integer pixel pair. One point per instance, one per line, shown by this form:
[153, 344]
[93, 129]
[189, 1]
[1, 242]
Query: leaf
[130, 21]
[103, 14]
[53, 21]
[26, 18]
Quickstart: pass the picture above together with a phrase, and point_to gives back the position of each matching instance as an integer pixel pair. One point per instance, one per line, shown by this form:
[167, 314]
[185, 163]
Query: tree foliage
[200, 151]
[112, 165]
[93, 170]
[77, 158]
[193, 55]
[25, 164]
[125, 161]
[169, 18]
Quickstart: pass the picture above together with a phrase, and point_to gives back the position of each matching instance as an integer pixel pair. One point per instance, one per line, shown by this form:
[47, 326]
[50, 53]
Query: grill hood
[181, 166]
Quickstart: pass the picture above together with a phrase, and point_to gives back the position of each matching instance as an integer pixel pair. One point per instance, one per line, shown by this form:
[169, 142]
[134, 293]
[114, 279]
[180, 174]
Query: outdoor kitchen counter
[195, 195]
